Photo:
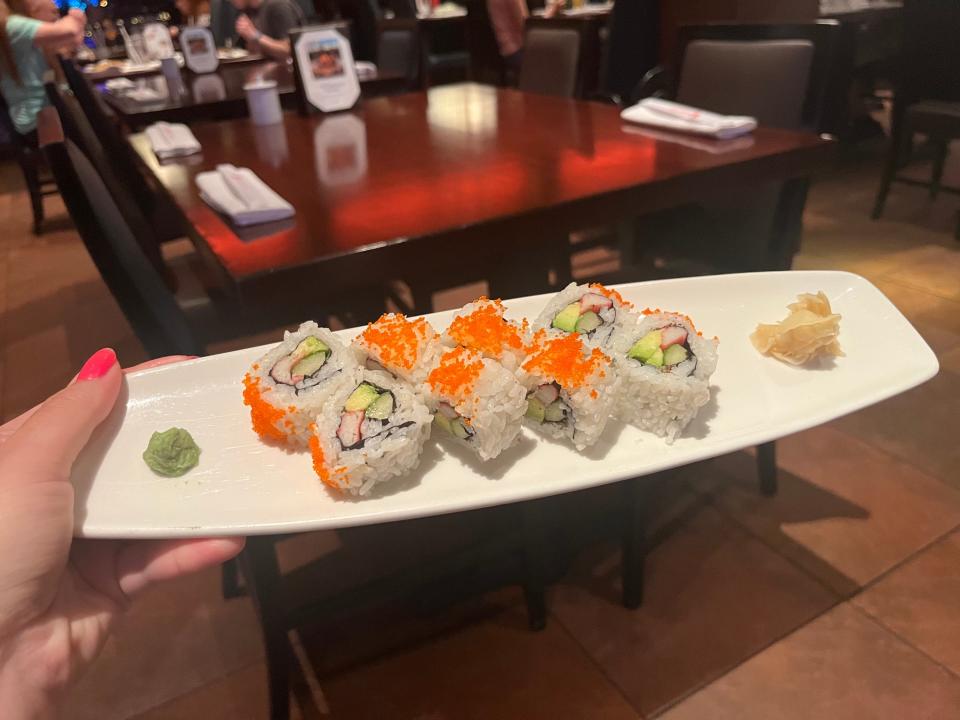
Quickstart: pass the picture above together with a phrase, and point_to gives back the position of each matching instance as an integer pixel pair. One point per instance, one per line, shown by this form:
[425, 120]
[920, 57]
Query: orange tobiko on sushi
[565, 359]
[265, 417]
[487, 331]
[397, 342]
[456, 374]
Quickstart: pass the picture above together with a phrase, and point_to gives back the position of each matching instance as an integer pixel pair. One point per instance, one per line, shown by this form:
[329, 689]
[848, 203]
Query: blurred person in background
[508, 18]
[265, 25]
[223, 20]
[31, 32]
[192, 12]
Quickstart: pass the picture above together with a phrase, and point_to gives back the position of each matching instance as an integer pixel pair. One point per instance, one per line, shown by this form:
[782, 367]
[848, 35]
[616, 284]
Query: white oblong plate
[242, 486]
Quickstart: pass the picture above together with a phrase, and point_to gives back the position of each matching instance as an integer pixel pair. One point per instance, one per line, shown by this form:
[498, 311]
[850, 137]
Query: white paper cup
[263, 102]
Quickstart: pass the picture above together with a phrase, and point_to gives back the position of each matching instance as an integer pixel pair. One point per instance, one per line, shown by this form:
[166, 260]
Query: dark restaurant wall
[634, 45]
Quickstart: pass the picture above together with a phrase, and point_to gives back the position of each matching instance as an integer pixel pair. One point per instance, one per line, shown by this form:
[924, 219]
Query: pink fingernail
[98, 365]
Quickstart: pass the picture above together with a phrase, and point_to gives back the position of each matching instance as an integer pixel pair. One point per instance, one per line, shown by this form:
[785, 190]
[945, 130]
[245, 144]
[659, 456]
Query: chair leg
[897, 133]
[535, 563]
[634, 540]
[230, 580]
[936, 174]
[767, 468]
[262, 573]
[31, 176]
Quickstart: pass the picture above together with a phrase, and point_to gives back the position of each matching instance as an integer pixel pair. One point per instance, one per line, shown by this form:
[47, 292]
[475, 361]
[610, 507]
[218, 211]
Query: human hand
[59, 597]
[245, 28]
[80, 24]
[554, 8]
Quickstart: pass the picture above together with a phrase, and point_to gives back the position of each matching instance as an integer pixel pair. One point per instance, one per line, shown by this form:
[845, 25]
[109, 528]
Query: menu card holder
[199, 49]
[325, 75]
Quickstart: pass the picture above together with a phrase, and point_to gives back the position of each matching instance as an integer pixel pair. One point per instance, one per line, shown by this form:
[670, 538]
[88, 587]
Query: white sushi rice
[306, 397]
[663, 401]
[494, 406]
[614, 318]
[591, 405]
[393, 452]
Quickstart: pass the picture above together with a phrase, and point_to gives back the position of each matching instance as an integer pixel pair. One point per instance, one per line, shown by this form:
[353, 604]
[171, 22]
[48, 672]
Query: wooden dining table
[219, 95]
[457, 176]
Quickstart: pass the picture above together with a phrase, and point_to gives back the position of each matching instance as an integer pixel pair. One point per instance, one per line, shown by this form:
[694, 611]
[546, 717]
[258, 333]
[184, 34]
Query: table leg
[636, 496]
[767, 468]
[535, 562]
[262, 573]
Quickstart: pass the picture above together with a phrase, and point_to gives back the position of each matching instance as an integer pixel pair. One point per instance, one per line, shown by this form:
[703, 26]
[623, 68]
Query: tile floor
[835, 599]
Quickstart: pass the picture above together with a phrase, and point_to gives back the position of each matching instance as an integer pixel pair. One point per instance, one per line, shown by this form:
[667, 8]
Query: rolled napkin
[365, 70]
[683, 118]
[119, 85]
[241, 195]
[168, 140]
[145, 94]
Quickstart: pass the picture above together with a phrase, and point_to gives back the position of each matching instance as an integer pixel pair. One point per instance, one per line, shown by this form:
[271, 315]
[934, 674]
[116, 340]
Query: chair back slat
[400, 50]
[140, 291]
[116, 147]
[551, 58]
[78, 129]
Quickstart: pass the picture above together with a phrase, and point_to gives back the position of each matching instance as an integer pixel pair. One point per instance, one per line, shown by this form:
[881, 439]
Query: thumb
[46, 445]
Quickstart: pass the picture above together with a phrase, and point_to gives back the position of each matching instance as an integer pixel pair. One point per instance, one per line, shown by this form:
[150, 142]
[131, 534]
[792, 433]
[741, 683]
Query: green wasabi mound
[171, 453]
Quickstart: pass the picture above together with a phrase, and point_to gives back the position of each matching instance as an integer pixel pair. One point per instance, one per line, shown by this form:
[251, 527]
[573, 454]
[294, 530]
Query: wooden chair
[141, 292]
[154, 206]
[77, 128]
[400, 50]
[35, 176]
[927, 95]
[551, 61]
[789, 76]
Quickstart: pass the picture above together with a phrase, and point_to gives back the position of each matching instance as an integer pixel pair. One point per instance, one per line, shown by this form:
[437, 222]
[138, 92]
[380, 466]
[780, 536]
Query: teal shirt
[28, 97]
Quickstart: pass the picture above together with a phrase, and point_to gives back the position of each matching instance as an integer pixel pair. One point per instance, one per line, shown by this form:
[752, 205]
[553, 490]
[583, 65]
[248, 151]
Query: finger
[44, 447]
[158, 362]
[141, 564]
[11, 427]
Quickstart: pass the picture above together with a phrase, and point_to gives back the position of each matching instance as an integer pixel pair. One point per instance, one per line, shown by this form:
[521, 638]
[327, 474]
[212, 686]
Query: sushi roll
[369, 432]
[481, 326]
[286, 388]
[476, 401]
[665, 366]
[594, 311]
[571, 388]
[407, 349]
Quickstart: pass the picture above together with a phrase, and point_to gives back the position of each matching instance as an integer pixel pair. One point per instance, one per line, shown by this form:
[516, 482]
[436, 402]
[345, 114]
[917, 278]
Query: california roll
[286, 388]
[369, 432]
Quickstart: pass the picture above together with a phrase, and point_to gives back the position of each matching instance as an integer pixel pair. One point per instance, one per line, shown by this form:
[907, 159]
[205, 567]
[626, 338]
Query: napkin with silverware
[241, 195]
[168, 140]
[670, 115]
